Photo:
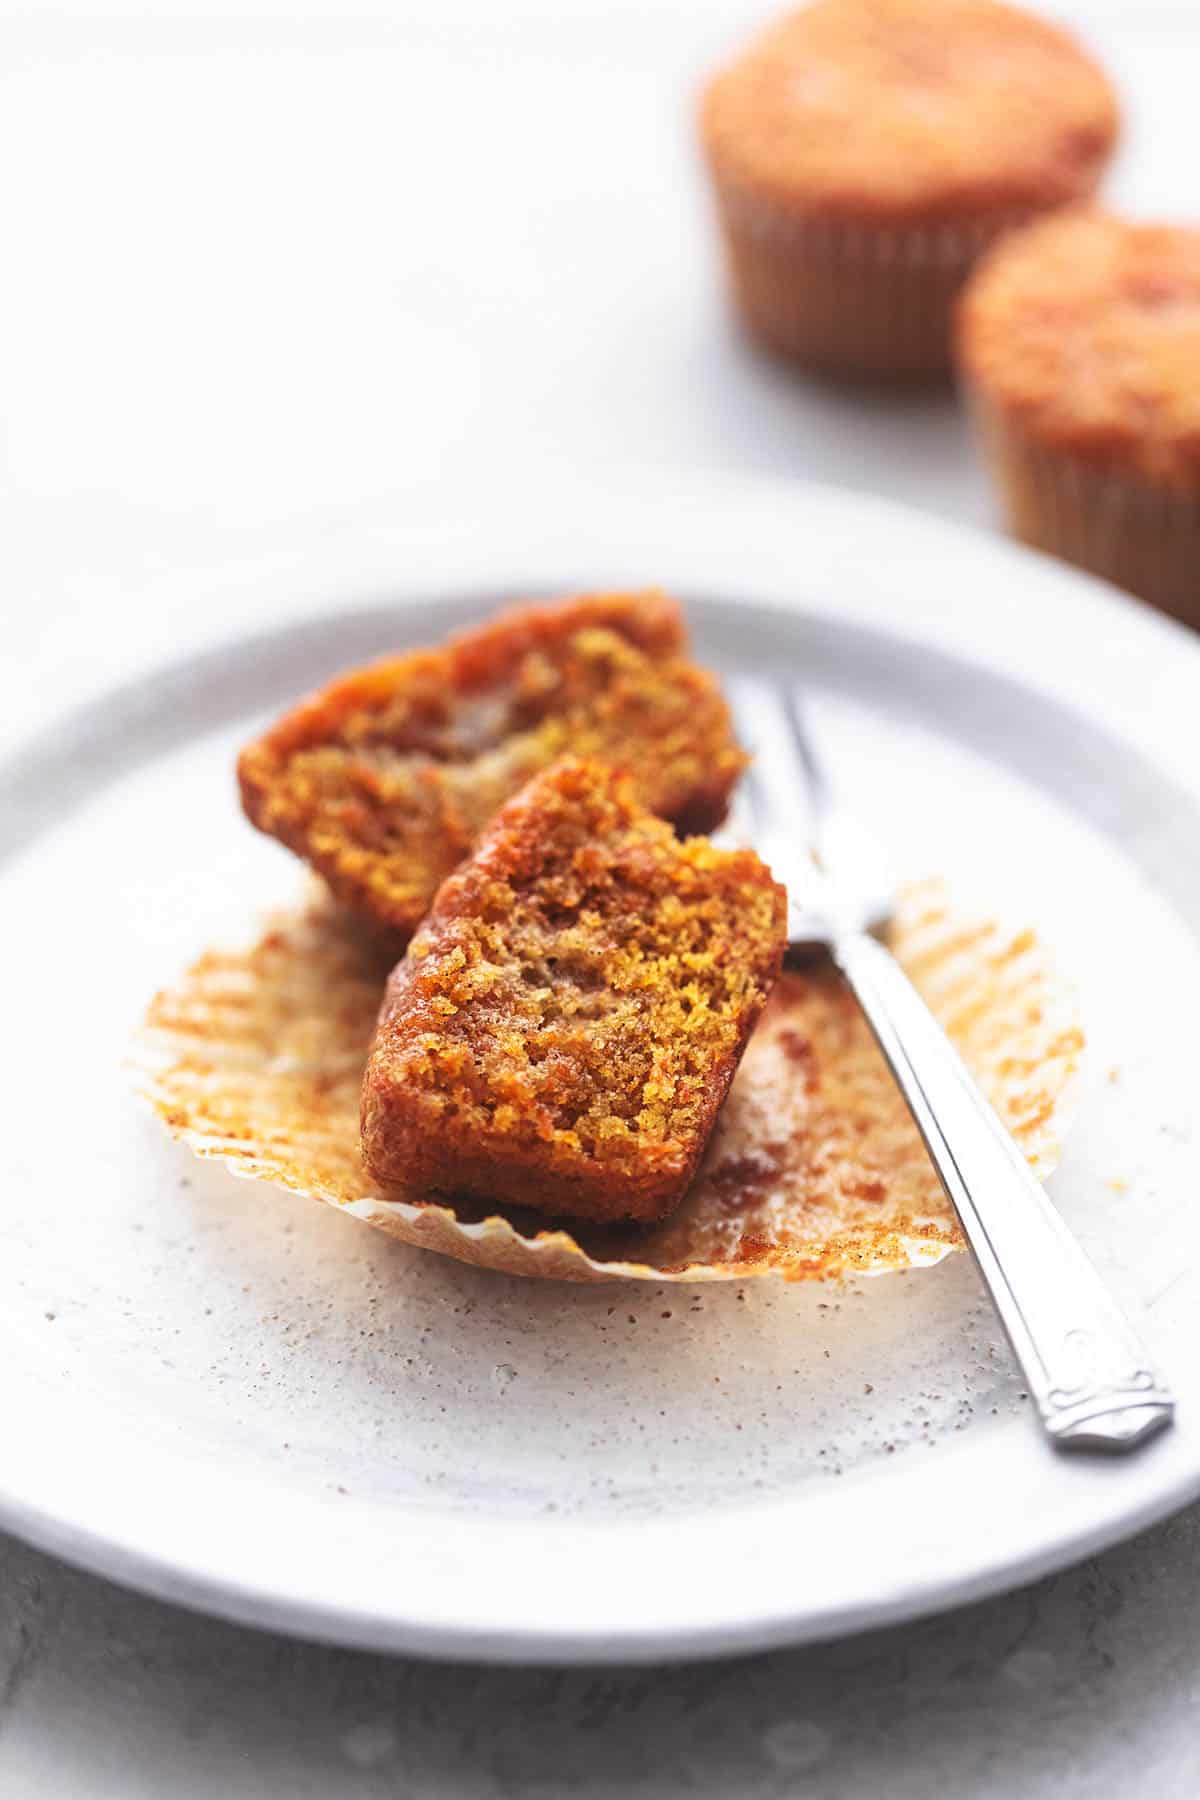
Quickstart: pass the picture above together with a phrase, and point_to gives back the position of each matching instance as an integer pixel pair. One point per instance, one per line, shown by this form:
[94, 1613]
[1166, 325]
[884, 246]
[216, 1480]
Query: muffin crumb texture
[568, 1020]
[384, 780]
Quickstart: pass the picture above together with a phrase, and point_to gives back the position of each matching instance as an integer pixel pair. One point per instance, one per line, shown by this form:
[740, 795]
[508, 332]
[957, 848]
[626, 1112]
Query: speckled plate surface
[248, 1403]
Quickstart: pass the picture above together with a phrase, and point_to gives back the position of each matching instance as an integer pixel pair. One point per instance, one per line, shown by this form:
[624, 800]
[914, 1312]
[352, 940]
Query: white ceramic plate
[242, 1401]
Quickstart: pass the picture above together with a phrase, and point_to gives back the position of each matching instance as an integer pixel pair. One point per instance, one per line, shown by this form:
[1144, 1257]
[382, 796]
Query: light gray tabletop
[271, 266]
[1083, 1687]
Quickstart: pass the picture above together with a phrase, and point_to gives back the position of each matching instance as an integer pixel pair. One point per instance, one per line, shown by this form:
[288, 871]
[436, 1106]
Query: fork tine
[778, 790]
[798, 822]
[744, 693]
[751, 798]
[820, 787]
[781, 771]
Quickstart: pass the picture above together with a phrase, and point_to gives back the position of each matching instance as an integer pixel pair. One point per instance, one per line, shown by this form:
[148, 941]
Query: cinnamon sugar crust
[910, 111]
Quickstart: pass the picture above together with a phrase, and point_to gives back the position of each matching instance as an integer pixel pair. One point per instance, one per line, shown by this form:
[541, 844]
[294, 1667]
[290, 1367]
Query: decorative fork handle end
[1113, 1418]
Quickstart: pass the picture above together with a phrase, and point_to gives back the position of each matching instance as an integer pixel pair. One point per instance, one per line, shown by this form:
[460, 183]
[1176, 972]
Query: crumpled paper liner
[255, 1057]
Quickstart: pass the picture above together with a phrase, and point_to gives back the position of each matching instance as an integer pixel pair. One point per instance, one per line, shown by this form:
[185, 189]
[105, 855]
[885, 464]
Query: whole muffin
[1079, 349]
[864, 153]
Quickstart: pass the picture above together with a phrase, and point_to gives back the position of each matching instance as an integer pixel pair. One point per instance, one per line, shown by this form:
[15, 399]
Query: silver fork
[1088, 1373]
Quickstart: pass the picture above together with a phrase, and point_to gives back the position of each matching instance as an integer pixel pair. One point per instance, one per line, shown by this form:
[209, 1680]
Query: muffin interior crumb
[594, 1005]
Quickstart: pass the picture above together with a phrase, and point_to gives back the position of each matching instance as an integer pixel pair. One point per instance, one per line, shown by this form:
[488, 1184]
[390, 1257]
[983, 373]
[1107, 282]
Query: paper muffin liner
[867, 299]
[1144, 538]
[255, 1057]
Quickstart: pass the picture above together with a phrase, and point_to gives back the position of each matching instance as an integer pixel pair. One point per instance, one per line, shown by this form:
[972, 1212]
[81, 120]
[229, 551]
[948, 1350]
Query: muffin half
[566, 1023]
[384, 780]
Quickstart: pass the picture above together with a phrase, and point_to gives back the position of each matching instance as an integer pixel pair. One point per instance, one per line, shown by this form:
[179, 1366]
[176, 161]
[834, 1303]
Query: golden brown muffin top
[911, 110]
[1085, 331]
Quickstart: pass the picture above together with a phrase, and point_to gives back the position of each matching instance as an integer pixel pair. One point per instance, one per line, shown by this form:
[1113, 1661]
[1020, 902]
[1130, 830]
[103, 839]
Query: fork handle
[1089, 1375]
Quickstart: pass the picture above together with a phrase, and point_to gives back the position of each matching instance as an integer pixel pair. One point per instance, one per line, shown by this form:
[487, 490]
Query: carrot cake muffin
[567, 1021]
[864, 152]
[1079, 347]
[384, 780]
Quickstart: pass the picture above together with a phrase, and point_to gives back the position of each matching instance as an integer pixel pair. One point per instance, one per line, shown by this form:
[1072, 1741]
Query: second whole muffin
[864, 153]
[1079, 351]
